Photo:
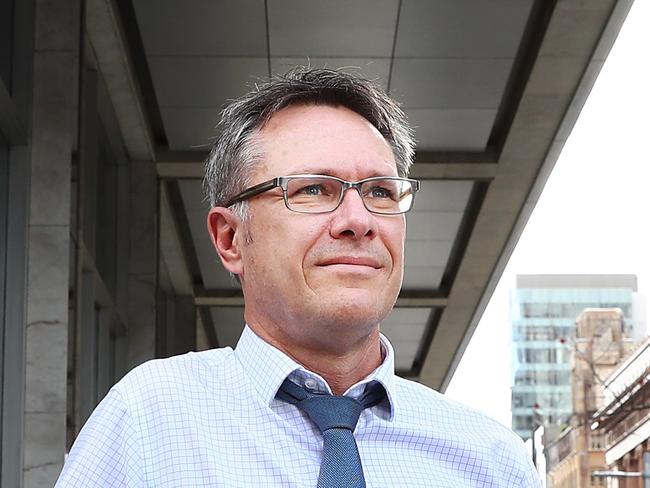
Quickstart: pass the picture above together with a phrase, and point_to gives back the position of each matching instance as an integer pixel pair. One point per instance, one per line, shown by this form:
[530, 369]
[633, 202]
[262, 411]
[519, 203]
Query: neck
[341, 367]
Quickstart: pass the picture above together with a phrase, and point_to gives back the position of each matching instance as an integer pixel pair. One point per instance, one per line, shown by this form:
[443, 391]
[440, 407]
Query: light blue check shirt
[211, 419]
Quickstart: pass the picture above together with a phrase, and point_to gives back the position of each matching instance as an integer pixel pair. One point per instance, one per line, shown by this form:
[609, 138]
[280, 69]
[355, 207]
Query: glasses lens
[389, 196]
[313, 194]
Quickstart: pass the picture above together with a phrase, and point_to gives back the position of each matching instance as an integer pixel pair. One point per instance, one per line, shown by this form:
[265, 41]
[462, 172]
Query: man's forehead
[308, 113]
[322, 139]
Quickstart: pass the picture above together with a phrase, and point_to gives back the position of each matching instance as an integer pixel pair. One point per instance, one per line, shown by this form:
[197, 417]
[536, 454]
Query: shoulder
[434, 408]
[191, 364]
[451, 426]
[189, 374]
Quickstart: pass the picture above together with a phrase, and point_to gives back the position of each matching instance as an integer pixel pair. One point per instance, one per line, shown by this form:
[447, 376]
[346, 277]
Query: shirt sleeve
[107, 451]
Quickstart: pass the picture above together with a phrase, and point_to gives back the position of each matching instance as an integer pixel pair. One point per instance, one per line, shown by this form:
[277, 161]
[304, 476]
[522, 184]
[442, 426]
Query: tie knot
[329, 412]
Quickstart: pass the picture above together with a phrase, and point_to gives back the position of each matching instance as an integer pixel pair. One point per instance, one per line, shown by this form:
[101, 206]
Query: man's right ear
[225, 228]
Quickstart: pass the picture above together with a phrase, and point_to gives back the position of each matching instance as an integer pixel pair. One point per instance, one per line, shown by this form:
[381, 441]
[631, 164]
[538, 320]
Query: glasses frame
[283, 182]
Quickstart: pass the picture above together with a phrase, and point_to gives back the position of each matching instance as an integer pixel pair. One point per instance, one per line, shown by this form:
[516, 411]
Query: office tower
[543, 316]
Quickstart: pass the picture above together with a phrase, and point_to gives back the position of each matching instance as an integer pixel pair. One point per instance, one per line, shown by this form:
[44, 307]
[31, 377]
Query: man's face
[318, 278]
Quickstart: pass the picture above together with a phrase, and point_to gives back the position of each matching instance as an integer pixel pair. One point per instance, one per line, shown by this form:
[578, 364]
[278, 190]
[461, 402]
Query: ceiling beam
[454, 171]
[105, 32]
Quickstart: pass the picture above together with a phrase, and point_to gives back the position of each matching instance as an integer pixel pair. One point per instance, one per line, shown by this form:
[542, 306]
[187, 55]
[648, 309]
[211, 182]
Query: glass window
[4, 193]
[106, 227]
[6, 38]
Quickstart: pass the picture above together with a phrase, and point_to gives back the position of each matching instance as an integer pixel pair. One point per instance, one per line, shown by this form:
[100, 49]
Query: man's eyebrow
[312, 171]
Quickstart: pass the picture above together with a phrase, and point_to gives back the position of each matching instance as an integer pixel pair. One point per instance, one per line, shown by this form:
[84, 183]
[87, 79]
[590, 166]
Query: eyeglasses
[384, 195]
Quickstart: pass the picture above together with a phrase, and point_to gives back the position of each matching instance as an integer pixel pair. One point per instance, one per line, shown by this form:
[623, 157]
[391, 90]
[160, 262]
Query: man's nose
[352, 218]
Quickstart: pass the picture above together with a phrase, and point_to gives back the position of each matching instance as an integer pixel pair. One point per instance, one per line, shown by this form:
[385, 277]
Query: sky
[592, 216]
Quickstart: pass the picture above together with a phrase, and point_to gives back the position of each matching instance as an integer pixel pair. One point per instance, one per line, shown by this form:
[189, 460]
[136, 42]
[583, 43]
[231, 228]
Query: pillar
[46, 336]
[143, 262]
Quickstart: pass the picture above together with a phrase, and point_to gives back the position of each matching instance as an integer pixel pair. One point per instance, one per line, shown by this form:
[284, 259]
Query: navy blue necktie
[336, 417]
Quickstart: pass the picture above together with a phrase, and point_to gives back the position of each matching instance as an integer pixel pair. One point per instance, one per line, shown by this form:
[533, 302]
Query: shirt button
[310, 383]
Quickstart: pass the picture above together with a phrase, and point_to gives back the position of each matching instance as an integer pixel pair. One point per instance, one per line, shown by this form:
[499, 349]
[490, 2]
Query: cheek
[305, 231]
[394, 239]
[289, 244]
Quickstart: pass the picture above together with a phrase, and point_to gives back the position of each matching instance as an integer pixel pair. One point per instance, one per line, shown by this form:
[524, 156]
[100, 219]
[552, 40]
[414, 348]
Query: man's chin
[356, 305]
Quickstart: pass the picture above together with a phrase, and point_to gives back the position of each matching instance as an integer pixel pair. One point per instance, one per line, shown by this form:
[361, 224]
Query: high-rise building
[544, 312]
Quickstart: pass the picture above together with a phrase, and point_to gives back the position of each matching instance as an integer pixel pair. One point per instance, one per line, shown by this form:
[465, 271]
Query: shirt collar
[267, 367]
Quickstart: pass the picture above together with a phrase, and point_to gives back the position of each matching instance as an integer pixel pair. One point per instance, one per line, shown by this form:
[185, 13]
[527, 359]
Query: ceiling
[492, 89]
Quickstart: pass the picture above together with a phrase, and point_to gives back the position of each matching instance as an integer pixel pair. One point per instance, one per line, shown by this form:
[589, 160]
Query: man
[308, 190]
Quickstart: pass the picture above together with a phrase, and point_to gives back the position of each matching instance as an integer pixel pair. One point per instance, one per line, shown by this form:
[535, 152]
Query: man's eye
[380, 192]
[313, 190]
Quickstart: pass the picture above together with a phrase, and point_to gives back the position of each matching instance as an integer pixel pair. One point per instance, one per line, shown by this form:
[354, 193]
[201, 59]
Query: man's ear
[225, 230]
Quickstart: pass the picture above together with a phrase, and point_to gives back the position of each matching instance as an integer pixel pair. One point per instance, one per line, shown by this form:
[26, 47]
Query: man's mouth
[352, 261]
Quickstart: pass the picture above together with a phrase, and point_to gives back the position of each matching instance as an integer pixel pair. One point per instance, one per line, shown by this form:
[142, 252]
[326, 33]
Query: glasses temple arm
[252, 191]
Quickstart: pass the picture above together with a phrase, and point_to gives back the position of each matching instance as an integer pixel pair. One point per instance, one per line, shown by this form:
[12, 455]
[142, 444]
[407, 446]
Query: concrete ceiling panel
[202, 27]
[422, 277]
[450, 83]
[204, 81]
[190, 128]
[449, 28]
[433, 226]
[405, 353]
[336, 28]
[427, 253]
[403, 363]
[451, 130]
[405, 328]
[407, 349]
[397, 330]
[407, 317]
[445, 196]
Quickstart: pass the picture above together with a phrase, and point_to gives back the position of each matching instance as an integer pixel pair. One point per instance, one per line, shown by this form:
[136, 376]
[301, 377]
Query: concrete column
[46, 341]
[105, 355]
[201, 338]
[183, 337]
[143, 260]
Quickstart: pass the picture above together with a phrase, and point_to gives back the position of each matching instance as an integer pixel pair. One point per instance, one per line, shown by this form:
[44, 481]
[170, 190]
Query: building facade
[544, 311]
[599, 347]
[84, 293]
[623, 422]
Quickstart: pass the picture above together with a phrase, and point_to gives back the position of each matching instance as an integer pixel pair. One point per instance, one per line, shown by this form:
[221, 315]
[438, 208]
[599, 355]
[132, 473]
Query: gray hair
[235, 153]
